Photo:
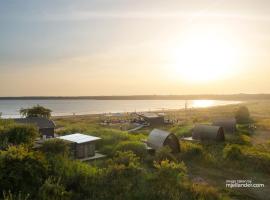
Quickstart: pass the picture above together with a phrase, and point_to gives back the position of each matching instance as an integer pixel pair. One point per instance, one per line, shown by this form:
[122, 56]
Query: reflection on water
[202, 103]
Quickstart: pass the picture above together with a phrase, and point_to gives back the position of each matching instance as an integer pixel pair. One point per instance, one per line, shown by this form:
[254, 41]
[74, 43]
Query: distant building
[228, 124]
[208, 132]
[45, 126]
[159, 138]
[152, 118]
[82, 146]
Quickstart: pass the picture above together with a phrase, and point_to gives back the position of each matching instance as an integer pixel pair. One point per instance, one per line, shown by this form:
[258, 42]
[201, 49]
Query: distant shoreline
[232, 97]
[125, 113]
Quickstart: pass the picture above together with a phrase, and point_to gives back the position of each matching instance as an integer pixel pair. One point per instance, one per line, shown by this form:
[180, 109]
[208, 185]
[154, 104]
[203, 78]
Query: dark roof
[207, 132]
[229, 124]
[40, 122]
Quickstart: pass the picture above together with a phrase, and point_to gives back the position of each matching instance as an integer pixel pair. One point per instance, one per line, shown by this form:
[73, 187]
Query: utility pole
[186, 109]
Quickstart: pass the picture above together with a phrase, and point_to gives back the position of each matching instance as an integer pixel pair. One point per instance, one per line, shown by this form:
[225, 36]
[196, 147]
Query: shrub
[182, 131]
[21, 170]
[19, 196]
[138, 148]
[257, 159]
[19, 134]
[232, 152]
[55, 147]
[204, 192]
[239, 139]
[164, 154]
[191, 150]
[166, 181]
[52, 189]
[122, 178]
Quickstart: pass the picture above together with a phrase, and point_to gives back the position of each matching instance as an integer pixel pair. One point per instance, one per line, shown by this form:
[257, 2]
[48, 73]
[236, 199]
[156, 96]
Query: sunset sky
[129, 47]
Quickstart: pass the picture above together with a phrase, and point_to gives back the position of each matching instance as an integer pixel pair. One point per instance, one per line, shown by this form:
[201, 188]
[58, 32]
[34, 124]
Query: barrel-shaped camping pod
[228, 124]
[207, 132]
[159, 138]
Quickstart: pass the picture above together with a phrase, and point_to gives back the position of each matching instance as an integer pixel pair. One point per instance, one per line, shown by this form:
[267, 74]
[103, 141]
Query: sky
[134, 47]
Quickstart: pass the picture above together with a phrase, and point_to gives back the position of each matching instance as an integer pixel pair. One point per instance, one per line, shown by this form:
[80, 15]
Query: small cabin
[82, 146]
[228, 124]
[159, 138]
[153, 118]
[208, 132]
[45, 126]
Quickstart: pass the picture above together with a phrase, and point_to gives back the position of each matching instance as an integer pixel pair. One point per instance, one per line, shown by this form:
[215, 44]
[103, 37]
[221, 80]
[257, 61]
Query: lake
[10, 108]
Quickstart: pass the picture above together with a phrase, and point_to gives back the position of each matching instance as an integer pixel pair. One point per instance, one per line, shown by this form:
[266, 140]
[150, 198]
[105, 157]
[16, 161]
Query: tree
[17, 134]
[22, 170]
[242, 115]
[36, 111]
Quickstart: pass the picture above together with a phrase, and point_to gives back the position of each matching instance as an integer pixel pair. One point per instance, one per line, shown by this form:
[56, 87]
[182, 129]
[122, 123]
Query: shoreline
[121, 112]
[153, 111]
[222, 97]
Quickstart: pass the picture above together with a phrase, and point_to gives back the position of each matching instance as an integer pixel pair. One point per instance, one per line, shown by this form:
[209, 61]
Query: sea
[62, 107]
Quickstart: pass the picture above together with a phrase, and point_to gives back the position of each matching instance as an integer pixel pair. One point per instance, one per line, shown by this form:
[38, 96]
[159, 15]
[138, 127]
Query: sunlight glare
[204, 57]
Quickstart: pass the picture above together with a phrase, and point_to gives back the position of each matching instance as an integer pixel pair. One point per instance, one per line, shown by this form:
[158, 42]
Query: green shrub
[182, 131]
[18, 134]
[164, 153]
[138, 148]
[52, 189]
[239, 139]
[204, 192]
[55, 147]
[257, 159]
[11, 196]
[22, 170]
[191, 150]
[232, 152]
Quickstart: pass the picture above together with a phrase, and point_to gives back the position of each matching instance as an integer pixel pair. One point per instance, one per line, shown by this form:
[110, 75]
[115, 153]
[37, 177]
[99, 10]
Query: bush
[257, 159]
[10, 196]
[166, 181]
[55, 147]
[204, 192]
[182, 131]
[138, 148]
[122, 178]
[21, 170]
[52, 189]
[239, 139]
[164, 154]
[232, 152]
[19, 134]
[242, 115]
[191, 150]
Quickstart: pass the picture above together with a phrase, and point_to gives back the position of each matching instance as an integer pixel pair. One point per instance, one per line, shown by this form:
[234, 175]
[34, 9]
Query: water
[11, 108]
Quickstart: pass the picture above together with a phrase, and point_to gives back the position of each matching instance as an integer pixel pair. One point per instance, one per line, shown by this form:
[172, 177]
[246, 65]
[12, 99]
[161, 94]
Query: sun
[204, 56]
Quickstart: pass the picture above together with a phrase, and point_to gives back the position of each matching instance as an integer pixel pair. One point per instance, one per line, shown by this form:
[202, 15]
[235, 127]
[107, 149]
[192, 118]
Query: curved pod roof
[159, 138]
[228, 124]
[207, 132]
